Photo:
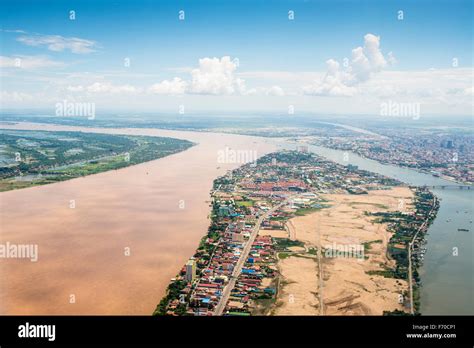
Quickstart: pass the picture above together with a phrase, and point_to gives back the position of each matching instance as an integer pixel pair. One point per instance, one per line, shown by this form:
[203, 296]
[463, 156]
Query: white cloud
[275, 91]
[365, 62]
[28, 62]
[391, 58]
[59, 43]
[16, 31]
[216, 76]
[173, 87]
[75, 88]
[420, 84]
[104, 87]
[333, 84]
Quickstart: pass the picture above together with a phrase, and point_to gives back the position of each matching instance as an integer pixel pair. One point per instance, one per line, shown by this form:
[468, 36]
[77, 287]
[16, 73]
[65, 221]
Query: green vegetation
[396, 312]
[283, 256]
[173, 292]
[313, 251]
[378, 205]
[285, 243]
[305, 211]
[405, 228]
[244, 203]
[387, 273]
[31, 158]
[367, 245]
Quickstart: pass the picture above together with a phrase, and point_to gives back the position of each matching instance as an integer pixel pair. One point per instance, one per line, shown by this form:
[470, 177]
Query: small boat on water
[463, 230]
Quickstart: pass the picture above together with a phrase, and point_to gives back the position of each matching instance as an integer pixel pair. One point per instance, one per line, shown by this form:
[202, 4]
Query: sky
[337, 57]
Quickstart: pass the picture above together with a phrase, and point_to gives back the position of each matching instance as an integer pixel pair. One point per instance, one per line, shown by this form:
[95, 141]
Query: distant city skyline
[337, 57]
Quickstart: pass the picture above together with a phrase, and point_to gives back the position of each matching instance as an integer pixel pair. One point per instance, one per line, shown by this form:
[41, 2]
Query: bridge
[449, 187]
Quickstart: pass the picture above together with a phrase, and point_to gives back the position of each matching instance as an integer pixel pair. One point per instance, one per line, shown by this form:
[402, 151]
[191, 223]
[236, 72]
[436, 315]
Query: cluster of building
[447, 156]
[228, 275]
[255, 280]
[208, 288]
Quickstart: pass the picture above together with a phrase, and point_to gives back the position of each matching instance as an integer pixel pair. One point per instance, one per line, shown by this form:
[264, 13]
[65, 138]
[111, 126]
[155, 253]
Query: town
[449, 156]
[235, 268]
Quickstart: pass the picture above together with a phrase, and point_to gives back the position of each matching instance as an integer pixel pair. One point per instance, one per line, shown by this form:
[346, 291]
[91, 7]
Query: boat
[463, 230]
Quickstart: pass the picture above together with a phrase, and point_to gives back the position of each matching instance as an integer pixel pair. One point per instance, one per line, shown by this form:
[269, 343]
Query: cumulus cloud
[58, 43]
[333, 84]
[213, 76]
[173, 87]
[365, 62]
[28, 62]
[216, 76]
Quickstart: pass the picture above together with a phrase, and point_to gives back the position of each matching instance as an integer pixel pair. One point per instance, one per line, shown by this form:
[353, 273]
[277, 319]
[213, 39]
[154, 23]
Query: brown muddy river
[82, 251]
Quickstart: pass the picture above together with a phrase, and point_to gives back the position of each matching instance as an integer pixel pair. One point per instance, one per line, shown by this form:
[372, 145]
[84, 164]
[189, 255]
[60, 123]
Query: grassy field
[305, 211]
[244, 203]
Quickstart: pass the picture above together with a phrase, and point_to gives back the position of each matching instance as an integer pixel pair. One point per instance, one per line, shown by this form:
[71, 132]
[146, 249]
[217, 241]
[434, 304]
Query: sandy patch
[296, 249]
[266, 282]
[347, 288]
[298, 287]
[273, 233]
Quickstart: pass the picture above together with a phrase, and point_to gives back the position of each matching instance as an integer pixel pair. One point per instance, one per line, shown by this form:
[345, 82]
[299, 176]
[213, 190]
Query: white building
[190, 271]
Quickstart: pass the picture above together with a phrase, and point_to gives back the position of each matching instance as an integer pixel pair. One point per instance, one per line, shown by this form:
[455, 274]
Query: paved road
[243, 257]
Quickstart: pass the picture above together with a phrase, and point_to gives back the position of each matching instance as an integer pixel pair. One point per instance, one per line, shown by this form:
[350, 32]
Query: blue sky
[258, 33]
